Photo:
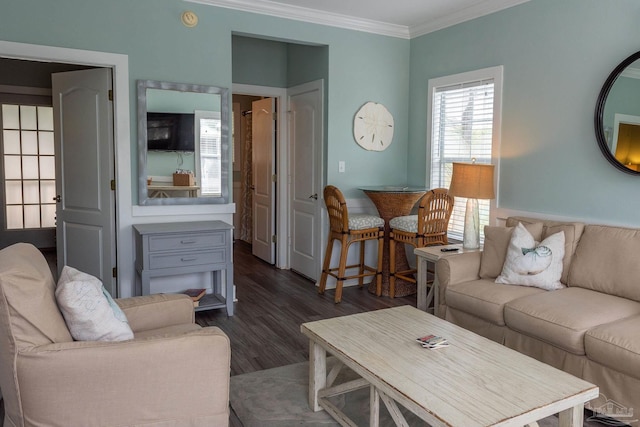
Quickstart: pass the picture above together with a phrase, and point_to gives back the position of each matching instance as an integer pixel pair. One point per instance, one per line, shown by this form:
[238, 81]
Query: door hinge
[274, 178]
[275, 116]
[273, 238]
[114, 272]
[113, 185]
[110, 94]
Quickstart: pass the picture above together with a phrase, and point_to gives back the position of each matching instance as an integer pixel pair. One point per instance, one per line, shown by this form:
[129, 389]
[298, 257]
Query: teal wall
[280, 64]
[172, 101]
[307, 63]
[259, 62]
[556, 56]
[361, 67]
[165, 163]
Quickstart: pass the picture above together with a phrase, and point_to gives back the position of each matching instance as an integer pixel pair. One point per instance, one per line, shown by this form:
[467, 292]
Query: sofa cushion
[533, 264]
[572, 233]
[616, 345]
[30, 314]
[485, 299]
[563, 317]
[606, 261]
[496, 242]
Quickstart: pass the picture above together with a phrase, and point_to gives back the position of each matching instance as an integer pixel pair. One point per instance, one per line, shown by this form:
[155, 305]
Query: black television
[170, 132]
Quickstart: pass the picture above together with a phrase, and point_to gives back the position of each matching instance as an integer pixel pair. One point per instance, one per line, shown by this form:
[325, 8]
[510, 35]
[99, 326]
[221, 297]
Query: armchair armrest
[460, 268]
[181, 379]
[157, 311]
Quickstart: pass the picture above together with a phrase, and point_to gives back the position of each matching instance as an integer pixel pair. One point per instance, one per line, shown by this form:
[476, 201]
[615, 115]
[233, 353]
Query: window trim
[495, 73]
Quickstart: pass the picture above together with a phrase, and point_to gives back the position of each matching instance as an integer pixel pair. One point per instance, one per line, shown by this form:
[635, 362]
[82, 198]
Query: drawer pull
[188, 259]
[187, 242]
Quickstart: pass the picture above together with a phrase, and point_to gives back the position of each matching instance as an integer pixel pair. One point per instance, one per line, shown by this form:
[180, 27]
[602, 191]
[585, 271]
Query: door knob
[252, 187]
[314, 196]
[57, 198]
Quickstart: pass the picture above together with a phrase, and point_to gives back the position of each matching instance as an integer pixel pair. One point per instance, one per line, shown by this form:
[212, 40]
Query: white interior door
[85, 225]
[305, 138]
[263, 150]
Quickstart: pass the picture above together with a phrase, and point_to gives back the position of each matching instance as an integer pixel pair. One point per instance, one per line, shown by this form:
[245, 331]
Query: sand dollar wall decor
[373, 127]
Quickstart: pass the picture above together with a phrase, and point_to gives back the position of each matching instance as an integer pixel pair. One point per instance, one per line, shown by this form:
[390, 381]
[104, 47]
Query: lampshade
[472, 180]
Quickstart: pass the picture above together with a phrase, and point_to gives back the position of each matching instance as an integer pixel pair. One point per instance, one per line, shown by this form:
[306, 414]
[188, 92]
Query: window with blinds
[465, 110]
[210, 156]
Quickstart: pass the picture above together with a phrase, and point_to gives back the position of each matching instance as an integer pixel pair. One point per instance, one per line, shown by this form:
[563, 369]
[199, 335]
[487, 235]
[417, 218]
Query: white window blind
[461, 130]
[210, 157]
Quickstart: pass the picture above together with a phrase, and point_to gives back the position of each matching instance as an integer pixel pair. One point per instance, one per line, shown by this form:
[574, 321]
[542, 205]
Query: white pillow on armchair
[89, 311]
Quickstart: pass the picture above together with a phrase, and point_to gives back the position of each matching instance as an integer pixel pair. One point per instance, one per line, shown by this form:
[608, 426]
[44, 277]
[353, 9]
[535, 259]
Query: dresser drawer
[186, 241]
[186, 259]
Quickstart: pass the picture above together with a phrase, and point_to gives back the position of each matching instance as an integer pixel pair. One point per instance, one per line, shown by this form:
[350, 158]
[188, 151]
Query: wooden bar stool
[427, 228]
[346, 230]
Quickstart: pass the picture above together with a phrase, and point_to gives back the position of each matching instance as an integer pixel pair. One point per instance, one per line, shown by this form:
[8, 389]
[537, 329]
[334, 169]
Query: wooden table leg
[374, 407]
[317, 373]
[422, 303]
[572, 417]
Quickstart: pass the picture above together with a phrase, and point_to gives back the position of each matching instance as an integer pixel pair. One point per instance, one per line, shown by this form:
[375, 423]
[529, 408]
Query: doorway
[254, 145]
[41, 203]
[296, 161]
[242, 166]
[27, 141]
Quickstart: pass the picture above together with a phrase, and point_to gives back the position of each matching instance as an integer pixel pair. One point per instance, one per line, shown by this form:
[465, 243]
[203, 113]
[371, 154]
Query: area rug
[278, 398]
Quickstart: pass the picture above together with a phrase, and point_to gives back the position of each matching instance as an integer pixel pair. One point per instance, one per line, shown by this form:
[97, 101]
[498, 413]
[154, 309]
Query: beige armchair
[173, 373]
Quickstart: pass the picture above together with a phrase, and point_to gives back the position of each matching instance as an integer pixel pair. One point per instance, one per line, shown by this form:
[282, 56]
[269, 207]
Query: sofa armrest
[157, 311]
[455, 269]
[136, 382]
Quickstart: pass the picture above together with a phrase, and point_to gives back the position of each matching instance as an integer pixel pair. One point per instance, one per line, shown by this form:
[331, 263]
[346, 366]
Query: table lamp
[473, 181]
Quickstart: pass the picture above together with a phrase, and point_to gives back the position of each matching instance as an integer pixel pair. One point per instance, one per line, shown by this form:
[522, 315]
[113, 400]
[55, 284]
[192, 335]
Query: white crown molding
[313, 16]
[481, 9]
[266, 7]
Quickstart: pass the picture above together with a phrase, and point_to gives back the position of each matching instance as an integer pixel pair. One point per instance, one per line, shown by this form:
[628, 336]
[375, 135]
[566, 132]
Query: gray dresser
[169, 249]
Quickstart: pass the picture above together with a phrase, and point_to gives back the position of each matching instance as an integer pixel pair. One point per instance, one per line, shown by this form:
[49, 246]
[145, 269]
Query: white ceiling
[398, 18]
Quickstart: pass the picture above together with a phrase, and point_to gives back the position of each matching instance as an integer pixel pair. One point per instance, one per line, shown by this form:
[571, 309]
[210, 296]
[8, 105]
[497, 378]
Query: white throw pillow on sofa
[88, 309]
[531, 264]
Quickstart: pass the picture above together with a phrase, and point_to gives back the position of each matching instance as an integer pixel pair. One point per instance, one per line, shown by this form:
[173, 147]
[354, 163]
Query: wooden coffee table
[473, 382]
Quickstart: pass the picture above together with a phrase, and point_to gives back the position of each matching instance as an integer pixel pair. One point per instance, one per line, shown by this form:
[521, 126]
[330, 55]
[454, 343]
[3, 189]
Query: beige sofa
[590, 329]
[173, 373]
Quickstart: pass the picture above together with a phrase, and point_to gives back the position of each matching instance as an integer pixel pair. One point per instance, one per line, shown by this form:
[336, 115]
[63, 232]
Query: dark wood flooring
[272, 303]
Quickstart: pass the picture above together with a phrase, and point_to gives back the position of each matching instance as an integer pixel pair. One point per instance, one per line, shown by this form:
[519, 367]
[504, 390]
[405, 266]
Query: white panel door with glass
[28, 174]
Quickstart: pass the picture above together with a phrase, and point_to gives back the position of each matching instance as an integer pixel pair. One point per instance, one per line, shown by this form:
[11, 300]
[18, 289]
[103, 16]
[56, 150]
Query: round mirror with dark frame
[617, 116]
